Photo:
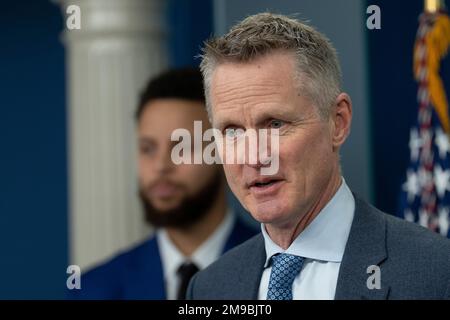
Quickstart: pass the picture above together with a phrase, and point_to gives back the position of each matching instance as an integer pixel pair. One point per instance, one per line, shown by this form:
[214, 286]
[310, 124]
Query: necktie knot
[186, 271]
[285, 267]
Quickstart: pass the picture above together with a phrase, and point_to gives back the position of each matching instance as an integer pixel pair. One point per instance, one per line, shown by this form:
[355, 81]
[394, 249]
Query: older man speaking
[318, 240]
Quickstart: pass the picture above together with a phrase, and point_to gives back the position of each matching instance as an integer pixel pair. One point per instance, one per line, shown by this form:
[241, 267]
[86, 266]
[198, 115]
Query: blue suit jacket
[137, 273]
[414, 263]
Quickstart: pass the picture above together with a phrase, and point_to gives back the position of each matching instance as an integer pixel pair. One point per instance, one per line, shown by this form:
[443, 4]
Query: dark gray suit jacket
[414, 263]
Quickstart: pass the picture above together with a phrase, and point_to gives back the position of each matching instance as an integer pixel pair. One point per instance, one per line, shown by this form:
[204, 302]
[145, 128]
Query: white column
[121, 44]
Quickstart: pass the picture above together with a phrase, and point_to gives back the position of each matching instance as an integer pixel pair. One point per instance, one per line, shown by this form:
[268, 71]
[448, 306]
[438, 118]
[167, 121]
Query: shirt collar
[203, 256]
[326, 236]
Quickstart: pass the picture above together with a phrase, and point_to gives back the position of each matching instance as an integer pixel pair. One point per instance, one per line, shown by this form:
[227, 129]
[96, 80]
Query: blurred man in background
[185, 203]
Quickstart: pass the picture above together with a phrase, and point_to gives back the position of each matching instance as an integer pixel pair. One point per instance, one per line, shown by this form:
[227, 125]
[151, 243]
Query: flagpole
[434, 6]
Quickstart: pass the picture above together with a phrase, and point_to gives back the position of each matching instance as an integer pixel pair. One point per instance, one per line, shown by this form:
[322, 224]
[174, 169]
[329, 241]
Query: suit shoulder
[125, 258]
[231, 259]
[240, 252]
[406, 235]
[420, 260]
[103, 281]
[421, 254]
[224, 279]
[411, 235]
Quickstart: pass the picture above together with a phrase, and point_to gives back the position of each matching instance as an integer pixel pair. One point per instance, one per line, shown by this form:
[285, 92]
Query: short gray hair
[317, 64]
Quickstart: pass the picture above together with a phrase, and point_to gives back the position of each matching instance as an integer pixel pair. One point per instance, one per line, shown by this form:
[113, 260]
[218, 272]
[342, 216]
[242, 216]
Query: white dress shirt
[208, 252]
[322, 245]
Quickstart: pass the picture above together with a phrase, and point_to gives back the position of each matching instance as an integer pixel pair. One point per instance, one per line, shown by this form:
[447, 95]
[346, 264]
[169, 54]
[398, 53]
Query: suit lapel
[366, 246]
[250, 271]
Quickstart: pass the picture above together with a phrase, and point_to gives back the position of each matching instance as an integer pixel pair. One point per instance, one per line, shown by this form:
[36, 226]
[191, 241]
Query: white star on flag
[442, 142]
[409, 216]
[444, 222]
[411, 185]
[415, 143]
[441, 180]
[423, 218]
[425, 177]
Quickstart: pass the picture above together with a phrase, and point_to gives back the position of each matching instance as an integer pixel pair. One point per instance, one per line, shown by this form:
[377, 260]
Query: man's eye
[276, 124]
[147, 150]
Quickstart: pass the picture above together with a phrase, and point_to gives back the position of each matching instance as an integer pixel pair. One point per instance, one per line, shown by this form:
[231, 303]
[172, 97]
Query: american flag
[425, 196]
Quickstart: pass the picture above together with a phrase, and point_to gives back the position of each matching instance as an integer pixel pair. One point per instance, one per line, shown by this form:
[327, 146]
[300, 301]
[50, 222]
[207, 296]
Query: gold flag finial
[434, 6]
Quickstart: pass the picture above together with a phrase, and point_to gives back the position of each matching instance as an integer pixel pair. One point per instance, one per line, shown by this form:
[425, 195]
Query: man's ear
[342, 118]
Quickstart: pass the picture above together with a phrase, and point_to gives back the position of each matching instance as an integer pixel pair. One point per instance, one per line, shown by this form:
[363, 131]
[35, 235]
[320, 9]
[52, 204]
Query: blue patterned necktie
[285, 267]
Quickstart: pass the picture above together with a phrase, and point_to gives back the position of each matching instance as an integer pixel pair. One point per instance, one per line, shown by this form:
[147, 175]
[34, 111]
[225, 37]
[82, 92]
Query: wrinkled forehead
[267, 80]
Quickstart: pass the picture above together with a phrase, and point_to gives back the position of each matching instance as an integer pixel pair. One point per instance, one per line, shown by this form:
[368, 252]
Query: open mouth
[265, 188]
[264, 184]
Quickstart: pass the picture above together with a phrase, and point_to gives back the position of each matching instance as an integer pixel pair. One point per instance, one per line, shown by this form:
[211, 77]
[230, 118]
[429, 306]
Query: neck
[284, 235]
[187, 240]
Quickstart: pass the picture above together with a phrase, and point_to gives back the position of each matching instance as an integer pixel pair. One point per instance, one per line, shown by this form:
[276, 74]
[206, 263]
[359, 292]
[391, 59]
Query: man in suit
[318, 240]
[186, 203]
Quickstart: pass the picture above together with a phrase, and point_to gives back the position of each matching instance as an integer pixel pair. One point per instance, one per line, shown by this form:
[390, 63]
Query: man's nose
[257, 154]
[258, 161]
[164, 163]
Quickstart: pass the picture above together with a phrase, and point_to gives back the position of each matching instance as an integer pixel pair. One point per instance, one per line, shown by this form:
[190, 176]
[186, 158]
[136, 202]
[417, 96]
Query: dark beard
[190, 211]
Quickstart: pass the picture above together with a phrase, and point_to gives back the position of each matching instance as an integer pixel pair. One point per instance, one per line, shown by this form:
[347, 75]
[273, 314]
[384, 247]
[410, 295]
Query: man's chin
[268, 212]
[181, 211]
[166, 206]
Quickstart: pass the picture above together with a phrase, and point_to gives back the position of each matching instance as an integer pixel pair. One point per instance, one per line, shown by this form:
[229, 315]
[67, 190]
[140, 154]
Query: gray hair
[318, 72]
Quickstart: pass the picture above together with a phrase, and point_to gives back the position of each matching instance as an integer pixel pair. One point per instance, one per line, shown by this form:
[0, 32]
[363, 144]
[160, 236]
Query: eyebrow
[146, 140]
[260, 119]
